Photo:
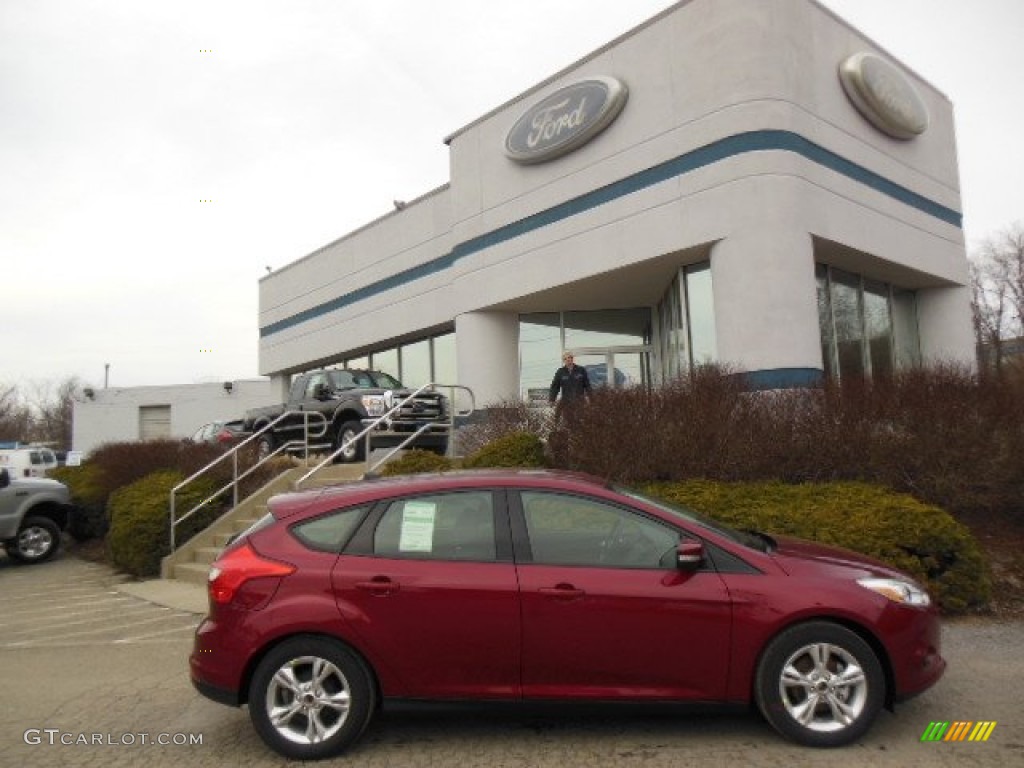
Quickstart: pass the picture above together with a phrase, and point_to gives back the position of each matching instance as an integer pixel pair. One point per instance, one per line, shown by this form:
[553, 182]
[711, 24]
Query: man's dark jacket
[573, 384]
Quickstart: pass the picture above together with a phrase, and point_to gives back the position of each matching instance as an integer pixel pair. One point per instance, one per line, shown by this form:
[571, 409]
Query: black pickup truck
[346, 399]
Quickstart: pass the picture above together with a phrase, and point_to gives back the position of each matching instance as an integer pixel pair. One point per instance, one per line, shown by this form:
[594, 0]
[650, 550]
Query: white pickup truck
[33, 513]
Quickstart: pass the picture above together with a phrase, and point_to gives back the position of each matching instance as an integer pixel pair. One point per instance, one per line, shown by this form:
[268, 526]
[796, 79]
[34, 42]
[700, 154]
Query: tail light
[238, 567]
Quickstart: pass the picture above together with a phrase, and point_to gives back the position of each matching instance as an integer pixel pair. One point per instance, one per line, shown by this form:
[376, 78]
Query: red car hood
[799, 557]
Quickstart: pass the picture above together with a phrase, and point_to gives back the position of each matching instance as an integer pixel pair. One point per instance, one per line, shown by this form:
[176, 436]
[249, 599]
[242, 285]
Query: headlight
[374, 405]
[898, 591]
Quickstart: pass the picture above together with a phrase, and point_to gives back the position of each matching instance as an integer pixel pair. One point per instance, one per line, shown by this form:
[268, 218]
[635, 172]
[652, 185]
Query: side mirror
[5, 478]
[690, 554]
[320, 392]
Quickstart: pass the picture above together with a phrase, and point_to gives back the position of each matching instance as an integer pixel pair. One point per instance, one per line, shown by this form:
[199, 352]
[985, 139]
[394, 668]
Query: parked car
[535, 585]
[34, 511]
[222, 432]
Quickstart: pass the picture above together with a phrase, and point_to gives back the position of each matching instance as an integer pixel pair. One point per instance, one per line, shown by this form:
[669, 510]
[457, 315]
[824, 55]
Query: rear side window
[450, 526]
[330, 532]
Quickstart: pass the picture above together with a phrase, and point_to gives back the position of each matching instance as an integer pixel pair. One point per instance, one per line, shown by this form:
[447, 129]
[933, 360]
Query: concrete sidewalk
[171, 593]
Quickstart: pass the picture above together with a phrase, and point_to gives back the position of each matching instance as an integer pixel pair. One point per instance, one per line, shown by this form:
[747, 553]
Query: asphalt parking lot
[94, 676]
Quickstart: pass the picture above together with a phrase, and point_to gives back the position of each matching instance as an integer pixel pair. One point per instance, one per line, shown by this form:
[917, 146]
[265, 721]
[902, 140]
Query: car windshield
[384, 381]
[746, 538]
[362, 380]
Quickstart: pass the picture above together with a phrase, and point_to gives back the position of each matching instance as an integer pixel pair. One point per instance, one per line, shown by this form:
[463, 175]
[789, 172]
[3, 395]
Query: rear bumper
[214, 693]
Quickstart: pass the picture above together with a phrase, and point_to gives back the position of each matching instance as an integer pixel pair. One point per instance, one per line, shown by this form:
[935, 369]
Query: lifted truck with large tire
[34, 511]
[347, 399]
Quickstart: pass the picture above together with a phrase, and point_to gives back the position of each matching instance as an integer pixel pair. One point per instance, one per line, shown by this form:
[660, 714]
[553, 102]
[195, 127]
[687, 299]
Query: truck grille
[427, 406]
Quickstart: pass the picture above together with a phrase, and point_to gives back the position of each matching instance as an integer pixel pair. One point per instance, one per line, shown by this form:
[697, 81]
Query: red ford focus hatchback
[545, 586]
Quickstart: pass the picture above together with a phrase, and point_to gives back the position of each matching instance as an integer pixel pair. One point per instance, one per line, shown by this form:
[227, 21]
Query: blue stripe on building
[723, 149]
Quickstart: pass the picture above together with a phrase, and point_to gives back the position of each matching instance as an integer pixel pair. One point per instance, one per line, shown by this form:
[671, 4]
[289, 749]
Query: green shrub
[89, 520]
[417, 461]
[139, 535]
[922, 540]
[516, 449]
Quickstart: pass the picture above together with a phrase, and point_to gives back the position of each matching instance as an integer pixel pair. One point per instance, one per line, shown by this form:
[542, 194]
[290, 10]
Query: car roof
[369, 490]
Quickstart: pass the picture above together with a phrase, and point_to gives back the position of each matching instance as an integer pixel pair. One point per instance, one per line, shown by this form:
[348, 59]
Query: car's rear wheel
[820, 684]
[311, 698]
[38, 539]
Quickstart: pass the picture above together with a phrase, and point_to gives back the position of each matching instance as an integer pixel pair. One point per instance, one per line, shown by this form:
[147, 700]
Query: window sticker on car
[418, 519]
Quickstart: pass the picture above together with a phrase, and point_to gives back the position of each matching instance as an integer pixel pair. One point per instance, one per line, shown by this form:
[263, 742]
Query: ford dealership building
[751, 183]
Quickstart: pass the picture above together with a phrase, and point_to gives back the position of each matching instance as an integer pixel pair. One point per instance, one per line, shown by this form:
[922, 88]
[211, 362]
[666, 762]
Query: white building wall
[112, 415]
[703, 72]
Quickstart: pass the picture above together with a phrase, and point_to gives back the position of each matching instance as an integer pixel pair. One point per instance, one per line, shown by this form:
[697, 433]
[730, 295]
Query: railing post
[173, 522]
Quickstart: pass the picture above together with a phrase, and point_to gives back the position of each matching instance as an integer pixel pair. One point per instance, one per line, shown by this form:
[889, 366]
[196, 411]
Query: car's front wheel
[354, 449]
[820, 684]
[37, 540]
[311, 698]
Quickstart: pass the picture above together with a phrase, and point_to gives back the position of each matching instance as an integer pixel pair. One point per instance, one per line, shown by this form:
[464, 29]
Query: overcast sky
[157, 155]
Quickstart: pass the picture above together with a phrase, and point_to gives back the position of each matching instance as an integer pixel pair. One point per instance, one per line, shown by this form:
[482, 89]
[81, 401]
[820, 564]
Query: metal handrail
[236, 478]
[371, 425]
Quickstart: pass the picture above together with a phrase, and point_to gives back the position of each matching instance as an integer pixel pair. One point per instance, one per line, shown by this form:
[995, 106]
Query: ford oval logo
[566, 120]
[884, 95]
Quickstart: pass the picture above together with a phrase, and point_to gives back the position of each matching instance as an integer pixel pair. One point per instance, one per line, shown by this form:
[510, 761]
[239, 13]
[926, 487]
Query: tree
[997, 291]
[54, 408]
[16, 420]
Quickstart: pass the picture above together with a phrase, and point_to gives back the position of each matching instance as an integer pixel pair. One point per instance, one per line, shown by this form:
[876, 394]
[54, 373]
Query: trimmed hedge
[920, 539]
[417, 461]
[139, 535]
[89, 520]
[516, 449]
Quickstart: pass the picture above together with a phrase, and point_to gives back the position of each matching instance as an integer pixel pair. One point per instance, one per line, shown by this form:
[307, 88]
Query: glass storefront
[613, 345]
[414, 364]
[686, 322]
[624, 347]
[868, 328]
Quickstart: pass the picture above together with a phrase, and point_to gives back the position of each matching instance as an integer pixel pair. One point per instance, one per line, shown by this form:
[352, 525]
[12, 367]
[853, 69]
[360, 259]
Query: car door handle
[380, 586]
[562, 592]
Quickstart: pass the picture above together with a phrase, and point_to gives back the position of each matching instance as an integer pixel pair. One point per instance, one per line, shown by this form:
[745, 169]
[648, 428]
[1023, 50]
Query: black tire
[38, 539]
[356, 451]
[820, 685]
[343, 680]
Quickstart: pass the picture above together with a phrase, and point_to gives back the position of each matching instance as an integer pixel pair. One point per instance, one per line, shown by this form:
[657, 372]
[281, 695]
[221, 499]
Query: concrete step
[192, 573]
[242, 523]
[206, 555]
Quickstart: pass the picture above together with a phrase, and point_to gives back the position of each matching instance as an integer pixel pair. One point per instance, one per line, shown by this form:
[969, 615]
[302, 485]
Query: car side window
[450, 526]
[315, 381]
[572, 530]
[330, 532]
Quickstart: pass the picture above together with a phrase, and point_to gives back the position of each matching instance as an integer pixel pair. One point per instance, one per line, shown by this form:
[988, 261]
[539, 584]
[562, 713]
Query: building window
[612, 344]
[868, 328]
[686, 322]
[415, 359]
[421, 362]
[540, 350]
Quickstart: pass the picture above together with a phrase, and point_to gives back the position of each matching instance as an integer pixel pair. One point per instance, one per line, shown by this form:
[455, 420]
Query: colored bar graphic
[982, 731]
[959, 730]
[934, 731]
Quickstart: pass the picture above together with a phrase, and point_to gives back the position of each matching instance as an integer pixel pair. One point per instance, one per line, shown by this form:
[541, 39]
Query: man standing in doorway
[572, 381]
